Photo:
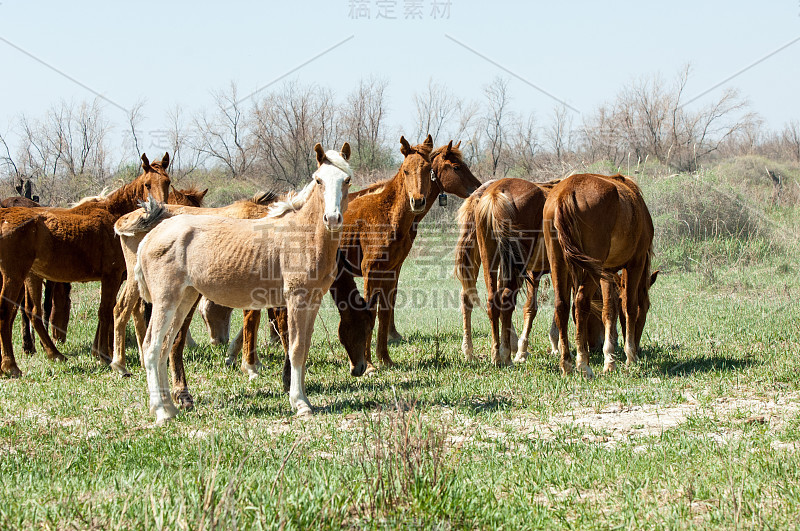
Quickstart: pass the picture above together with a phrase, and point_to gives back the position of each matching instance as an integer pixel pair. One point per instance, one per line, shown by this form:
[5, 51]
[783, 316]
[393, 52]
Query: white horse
[286, 259]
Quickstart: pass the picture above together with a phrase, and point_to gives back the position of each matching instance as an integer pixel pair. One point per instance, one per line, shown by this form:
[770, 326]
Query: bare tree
[559, 133]
[287, 124]
[225, 136]
[185, 159]
[791, 138]
[496, 121]
[434, 109]
[363, 116]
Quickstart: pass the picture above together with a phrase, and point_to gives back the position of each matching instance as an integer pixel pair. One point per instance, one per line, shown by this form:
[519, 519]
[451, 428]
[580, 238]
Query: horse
[286, 259]
[507, 215]
[594, 226]
[132, 229]
[75, 244]
[56, 304]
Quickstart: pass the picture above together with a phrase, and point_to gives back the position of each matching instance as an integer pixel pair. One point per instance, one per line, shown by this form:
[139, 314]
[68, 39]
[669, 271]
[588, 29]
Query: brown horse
[500, 229]
[69, 245]
[56, 295]
[594, 226]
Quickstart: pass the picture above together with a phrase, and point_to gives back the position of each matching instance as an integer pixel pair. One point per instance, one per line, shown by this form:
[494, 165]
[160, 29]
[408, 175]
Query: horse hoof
[304, 412]
[610, 367]
[371, 370]
[521, 357]
[396, 338]
[58, 357]
[12, 371]
[566, 368]
[586, 372]
[250, 370]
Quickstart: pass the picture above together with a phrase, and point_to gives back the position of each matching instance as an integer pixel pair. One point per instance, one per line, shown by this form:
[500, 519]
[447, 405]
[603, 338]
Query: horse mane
[264, 198]
[293, 201]
[151, 214]
[102, 196]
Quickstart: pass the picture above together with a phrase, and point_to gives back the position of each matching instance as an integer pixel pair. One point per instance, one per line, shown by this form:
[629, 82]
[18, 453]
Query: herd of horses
[282, 253]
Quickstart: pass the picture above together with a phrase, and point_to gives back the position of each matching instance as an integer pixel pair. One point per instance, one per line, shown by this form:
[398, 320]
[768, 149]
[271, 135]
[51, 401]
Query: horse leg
[469, 297]
[372, 292]
[33, 286]
[140, 327]
[386, 288]
[494, 305]
[11, 298]
[583, 301]
[393, 334]
[59, 315]
[250, 364]
[109, 286]
[528, 314]
[508, 295]
[609, 323]
[559, 276]
[123, 310]
[28, 346]
[630, 305]
[302, 311]
[180, 388]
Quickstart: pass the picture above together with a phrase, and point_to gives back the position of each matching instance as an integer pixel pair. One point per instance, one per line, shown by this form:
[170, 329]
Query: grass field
[703, 432]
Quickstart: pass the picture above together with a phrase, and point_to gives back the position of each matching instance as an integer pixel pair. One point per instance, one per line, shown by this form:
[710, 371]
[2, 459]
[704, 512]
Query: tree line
[268, 138]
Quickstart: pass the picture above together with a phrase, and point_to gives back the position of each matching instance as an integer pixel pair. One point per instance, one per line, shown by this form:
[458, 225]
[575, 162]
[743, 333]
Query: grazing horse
[285, 259]
[377, 237]
[594, 226]
[69, 245]
[500, 229]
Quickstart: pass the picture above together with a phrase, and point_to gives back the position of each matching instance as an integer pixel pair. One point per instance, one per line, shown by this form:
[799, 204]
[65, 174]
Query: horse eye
[347, 181]
[319, 181]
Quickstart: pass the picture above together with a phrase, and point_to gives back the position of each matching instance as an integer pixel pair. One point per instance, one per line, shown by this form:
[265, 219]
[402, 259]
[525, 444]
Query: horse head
[155, 179]
[333, 178]
[454, 176]
[416, 171]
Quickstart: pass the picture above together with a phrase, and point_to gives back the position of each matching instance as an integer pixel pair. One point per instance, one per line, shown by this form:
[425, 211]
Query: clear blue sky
[171, 52]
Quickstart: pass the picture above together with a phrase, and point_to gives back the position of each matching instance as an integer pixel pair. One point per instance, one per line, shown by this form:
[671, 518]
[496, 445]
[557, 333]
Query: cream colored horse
[285, 259]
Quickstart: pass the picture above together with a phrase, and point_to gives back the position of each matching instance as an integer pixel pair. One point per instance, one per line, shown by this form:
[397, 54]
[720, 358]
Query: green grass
[703, 432]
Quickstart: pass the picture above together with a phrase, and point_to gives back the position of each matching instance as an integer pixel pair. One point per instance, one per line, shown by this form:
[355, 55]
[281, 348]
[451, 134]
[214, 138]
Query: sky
[580, 53]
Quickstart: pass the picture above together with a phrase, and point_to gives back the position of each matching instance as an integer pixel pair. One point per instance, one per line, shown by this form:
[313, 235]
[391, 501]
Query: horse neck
[396, 189]
[126, 199]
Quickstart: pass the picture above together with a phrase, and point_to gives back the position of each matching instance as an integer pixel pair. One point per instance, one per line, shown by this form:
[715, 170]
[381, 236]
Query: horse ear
[345, 151]
[202, 194]
[458, 145]
[654, 276]
[320, 153]
[174, 191]
[450, 146]
[405, 147]
[165, 161]
[146, 163]
[429, 141]
[35, 198]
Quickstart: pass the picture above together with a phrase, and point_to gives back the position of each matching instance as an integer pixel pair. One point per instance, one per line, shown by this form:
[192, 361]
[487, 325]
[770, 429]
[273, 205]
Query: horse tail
[144, 292]
[151, 215]
[467, 245]
[565, 222]
[495, 212]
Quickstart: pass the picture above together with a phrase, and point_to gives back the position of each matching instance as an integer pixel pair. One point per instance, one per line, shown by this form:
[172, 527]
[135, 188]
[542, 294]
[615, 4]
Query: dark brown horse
[595, 226]
[69, 245]
[56, 302]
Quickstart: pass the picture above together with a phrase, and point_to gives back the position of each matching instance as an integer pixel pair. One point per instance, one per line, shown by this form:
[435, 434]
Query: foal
[286, 259]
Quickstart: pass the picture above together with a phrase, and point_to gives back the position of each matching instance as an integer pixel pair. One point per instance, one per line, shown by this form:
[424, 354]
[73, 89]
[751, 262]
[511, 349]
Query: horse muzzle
[358, 370]
[333, 221]
[417, 205]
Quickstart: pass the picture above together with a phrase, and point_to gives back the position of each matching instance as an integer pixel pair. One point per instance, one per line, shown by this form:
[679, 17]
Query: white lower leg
[297, 391]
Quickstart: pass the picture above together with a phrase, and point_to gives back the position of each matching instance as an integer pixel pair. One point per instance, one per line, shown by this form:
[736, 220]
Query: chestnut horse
[500, 229]
[247, 264]
[69, 245]
[594, 226]
[56, 304]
